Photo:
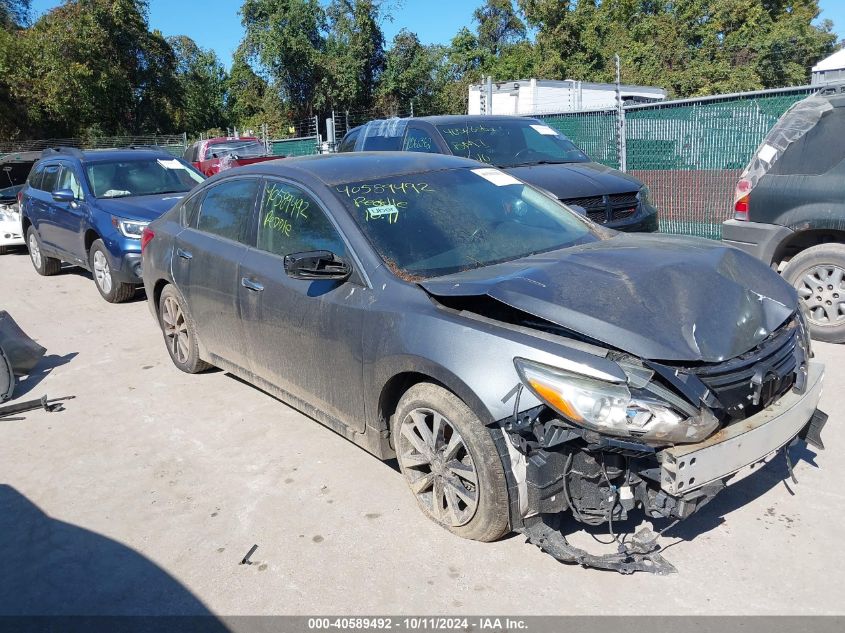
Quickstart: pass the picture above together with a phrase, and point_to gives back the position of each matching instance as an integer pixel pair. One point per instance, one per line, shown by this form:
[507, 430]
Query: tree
[94, 65]
[285, 37]
[250, 101]
[409, 74]
[689, 47]
[498, 26]
[202, 82]
[354, 55]
[14, 13]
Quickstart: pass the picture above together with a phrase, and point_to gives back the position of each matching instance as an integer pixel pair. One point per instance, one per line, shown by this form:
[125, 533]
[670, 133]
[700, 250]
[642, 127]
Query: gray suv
[790, 207]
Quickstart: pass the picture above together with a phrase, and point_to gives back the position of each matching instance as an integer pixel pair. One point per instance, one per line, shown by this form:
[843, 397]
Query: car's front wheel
[818, 274]
[450, 463]
[180, 333]
[43, 264]
[110, 288]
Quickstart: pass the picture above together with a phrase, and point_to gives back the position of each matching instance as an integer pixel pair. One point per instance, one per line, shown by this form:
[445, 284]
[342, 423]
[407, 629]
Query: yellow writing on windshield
[471, 129]
[352, 191]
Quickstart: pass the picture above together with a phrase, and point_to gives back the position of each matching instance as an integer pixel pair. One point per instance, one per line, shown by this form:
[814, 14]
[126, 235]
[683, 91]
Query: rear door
[43, 207]
[70, 217]
[304, 336]
[205, 265]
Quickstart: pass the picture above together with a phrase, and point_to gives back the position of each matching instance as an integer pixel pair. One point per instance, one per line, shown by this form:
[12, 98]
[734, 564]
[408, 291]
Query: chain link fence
[173, 143]
[690, 152]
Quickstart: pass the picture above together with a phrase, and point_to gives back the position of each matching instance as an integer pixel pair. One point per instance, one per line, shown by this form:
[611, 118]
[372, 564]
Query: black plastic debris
[19, 354]
[245, 560]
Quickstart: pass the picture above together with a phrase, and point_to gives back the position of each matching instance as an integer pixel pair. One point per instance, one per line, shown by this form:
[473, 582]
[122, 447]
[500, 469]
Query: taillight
[20, 196]
[741, 195]
[146, 237]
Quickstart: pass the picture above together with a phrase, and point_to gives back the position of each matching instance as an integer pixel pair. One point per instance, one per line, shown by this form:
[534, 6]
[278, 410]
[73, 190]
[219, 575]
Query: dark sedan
[526, 148]
[518, 360]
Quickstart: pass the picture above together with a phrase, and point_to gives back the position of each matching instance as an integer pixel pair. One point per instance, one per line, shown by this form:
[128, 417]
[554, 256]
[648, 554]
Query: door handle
[249, 284]
[184, 254]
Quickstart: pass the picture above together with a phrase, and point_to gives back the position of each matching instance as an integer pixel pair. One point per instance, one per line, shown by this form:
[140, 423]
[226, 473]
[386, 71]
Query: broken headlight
[610, 408]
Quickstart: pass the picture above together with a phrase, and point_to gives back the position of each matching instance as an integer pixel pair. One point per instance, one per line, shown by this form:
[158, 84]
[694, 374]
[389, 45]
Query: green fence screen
[302, 146]
[689, 153]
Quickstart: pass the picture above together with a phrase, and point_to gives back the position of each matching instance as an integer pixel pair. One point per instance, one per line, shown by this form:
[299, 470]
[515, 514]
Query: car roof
[227, 139]
[101, 155]
[332, 169]
[452, 119]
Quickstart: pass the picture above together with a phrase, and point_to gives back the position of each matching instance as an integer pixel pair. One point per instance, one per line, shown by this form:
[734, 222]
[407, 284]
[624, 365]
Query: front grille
[749, 383]
[604, 209]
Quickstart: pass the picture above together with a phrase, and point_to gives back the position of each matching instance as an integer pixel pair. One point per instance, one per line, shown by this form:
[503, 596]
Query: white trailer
[538, 96]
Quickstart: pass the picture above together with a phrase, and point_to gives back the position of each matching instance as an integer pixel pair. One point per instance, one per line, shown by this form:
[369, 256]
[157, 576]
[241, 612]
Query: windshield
[437, 223]
[510, 143]
[242, 149]
[146, 177]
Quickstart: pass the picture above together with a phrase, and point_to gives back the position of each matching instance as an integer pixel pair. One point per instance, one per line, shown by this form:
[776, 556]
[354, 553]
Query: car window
[190, 209]
[417, 140]
[68, 180]
[50, 179]
[227, 208]
[141, 177]
[508, 143]
[439, 222]
[292, 222]
[242, 148]
[36, 176]
[348, 142]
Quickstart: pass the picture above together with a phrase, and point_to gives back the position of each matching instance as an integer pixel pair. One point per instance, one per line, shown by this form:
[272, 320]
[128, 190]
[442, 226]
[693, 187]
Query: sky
[216, 24]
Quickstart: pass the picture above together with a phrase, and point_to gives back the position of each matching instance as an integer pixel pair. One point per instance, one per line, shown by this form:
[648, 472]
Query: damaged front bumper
[687, 467]
[601, 479]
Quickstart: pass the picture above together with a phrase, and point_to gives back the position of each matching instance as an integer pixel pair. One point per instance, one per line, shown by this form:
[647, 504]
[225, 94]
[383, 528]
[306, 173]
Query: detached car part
[19, 354]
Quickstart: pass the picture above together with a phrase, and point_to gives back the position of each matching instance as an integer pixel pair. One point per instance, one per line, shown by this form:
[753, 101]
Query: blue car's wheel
[110, 288]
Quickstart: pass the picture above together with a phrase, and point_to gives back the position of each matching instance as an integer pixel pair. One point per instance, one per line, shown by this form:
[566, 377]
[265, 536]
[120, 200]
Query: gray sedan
[518, 360]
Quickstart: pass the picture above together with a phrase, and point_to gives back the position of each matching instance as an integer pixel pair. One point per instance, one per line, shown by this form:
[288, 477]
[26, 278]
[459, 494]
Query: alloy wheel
[102, 272]
[175, 329]
[822, 289]
[438, 466]
[34, 250]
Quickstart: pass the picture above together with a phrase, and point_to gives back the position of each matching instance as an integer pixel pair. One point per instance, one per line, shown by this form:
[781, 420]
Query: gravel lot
[146, 493]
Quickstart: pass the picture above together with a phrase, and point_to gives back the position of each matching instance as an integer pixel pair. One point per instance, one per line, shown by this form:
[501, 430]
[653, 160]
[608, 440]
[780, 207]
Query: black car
[790, 207]
[526, 148]
[518, 360]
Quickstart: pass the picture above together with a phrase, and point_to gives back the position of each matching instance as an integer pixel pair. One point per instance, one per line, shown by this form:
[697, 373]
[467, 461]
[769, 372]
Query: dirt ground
[144, 495]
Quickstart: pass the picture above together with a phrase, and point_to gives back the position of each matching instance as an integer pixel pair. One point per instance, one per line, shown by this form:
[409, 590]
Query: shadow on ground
[46, 365]
[53, 568]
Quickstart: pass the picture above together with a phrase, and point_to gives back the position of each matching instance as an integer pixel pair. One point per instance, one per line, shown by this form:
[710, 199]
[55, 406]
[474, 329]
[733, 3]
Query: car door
[305, 337]
[44, 207]
[69, 217]
[205, 265]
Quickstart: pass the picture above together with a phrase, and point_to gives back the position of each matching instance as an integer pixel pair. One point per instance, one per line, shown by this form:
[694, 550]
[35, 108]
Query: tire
[818, 274]
[46, 266]
[474, 511]
[180, 332]
[110, 288]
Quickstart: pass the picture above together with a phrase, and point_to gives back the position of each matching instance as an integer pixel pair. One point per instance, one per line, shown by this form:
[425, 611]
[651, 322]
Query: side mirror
[63, 195]
[313, 265]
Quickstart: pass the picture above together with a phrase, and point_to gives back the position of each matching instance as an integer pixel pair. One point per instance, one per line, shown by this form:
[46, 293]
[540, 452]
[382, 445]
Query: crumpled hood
[576, 180]
[143, 208]
[658, 297]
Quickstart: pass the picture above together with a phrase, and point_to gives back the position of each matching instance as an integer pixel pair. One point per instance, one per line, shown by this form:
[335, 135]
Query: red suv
[216, 154]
